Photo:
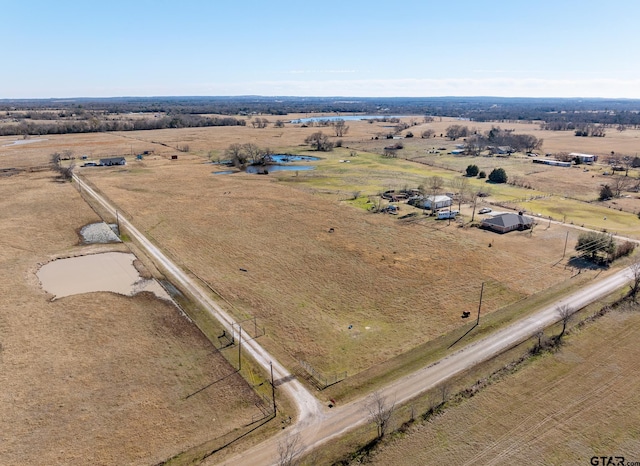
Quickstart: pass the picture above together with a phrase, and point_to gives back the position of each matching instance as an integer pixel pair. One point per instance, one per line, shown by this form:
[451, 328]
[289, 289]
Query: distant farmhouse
[503, 223]
[113, 161]
[584, 158]
[501, 150]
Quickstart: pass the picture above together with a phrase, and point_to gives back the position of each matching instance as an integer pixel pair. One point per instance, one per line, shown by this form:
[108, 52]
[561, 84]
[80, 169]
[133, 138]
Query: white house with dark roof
[113, 161]
[503, 223]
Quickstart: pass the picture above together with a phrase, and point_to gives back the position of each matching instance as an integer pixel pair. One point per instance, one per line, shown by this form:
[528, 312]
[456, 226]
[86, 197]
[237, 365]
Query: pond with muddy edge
[110, 271]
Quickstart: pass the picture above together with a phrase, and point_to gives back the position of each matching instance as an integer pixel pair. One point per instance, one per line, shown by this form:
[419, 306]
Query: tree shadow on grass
[583, 264]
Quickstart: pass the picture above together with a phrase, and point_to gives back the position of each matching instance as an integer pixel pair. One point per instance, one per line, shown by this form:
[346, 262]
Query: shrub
[605, 193]
[498, 175]
[472, 170]
[482, 174]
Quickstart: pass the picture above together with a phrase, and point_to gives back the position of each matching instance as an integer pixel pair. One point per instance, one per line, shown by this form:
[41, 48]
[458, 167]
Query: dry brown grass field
[562, 408]
[97, 378]
[333, 284]
[396, 283]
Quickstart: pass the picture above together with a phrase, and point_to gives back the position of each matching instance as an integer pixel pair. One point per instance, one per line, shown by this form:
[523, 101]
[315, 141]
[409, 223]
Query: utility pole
[480, 305]
[565, 245]
[239, 348]
[118, 223]
[273, 390]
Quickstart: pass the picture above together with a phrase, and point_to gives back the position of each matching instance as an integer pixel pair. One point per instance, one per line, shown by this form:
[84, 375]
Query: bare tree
[454, 132]
[635, 285]
[55, 158]
[563, 157]
[475, 144]
[566, 313]
[289, 450]
[474, 195]
[380, 412]
[67, 154]
[434, 185]
[627, 163]
[619, 184]
[260, 123]
[340, 127]
[460, 187]
[319, 141]
[251, 152]
[427, 134]
[236, 154]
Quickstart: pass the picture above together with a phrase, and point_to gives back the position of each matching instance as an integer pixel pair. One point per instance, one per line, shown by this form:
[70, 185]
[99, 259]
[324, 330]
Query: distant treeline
[567, 113]
[95, 124]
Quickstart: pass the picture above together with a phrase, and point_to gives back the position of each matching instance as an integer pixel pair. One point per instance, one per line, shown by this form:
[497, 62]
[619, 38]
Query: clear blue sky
[533, 48]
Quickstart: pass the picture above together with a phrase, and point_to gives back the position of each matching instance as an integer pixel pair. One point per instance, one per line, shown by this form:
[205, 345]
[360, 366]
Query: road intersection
[316, 424]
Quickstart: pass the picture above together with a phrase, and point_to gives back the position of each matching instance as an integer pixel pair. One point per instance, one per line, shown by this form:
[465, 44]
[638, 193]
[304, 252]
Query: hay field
[397, 284]
[96, 378]
[563, 408]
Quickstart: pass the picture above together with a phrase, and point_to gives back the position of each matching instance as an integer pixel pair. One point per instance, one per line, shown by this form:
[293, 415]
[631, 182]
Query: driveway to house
[316, 425]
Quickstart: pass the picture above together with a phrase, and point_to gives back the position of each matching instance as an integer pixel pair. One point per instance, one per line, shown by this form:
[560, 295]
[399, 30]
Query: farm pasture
[96, 378]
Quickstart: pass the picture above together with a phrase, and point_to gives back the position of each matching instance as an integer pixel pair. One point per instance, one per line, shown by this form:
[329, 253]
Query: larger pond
[345, 118]
[280, 158]
[264, 169]
[110, 271]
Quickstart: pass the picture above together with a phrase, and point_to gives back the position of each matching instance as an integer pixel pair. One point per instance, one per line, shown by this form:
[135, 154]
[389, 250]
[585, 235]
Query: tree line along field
[96, 378]
[344, 301]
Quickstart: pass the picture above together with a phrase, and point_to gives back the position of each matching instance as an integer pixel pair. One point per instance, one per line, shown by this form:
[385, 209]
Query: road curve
[316, 426]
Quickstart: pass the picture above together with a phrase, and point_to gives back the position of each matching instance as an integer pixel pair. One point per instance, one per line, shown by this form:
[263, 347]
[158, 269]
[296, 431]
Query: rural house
[437, 202]
[584, 158]
[113, 161]
[503, 223]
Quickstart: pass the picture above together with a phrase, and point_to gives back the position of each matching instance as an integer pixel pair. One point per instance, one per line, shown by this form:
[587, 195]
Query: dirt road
[308, 406]
[317, 425]
[332, 424]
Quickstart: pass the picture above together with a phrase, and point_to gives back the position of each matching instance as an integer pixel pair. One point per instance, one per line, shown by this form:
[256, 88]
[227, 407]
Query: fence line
[320, 380]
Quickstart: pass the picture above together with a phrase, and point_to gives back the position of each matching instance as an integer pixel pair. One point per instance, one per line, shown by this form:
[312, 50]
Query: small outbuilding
[437, 202]
[503, 223]
[584, 158]
[113, 161]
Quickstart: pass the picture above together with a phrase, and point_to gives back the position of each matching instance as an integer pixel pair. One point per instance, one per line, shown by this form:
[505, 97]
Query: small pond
[110, 271]
[225, 172]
